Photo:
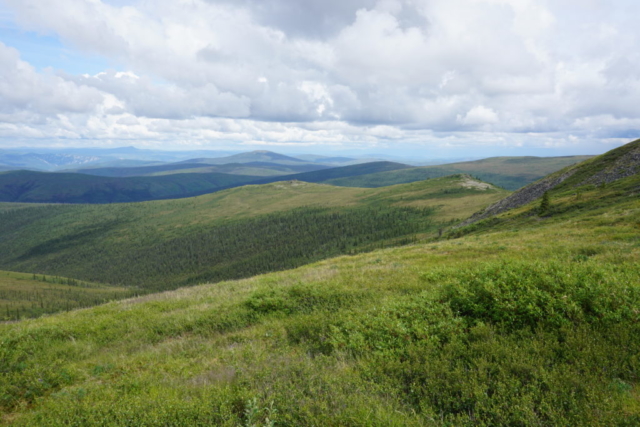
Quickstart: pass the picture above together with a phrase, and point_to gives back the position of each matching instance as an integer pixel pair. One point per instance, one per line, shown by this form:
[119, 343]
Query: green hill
[351, 171]
[510, 173]
[530, 318]
[41, 187]
[112, 185]
[230, 234]
[586, 186]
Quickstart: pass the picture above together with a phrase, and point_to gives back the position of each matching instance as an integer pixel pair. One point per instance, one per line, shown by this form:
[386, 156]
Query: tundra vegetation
[514, 320]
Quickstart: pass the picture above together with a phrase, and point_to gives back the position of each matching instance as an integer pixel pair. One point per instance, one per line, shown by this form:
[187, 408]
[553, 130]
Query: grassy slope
[229, 234]
[578, 192]
[507, 172]
[8, 207]
[28, 295]
[39, 187]
[532, 323]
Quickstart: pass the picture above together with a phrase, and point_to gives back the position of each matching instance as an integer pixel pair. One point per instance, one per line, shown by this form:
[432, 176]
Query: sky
[423, 78]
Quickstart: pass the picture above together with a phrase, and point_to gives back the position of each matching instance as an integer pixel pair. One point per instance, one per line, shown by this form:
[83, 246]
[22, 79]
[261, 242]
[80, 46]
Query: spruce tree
[544, 204]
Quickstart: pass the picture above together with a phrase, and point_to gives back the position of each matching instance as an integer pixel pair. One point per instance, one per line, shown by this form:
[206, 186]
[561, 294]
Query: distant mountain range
[43, 161]
[76, 158]
[49, 187]
[253, 156]
[148, 179]
[252, 168]
[48, 159]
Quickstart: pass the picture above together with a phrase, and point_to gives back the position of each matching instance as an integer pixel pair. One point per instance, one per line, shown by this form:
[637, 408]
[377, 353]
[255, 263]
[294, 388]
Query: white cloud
[23, 89]
[338, 71]
[479, 115]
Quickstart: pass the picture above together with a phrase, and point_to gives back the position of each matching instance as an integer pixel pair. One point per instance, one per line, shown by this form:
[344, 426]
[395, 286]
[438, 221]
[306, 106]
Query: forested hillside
[231, 234]
[350, 171]
[43, 187]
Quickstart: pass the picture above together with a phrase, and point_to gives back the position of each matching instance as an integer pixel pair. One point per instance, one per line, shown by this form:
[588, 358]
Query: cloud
[368, 71]
[478, 116]
[23, 89]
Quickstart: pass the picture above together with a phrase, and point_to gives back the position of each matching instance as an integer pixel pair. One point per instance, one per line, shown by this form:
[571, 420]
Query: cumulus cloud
[23, 89]
[365, 71]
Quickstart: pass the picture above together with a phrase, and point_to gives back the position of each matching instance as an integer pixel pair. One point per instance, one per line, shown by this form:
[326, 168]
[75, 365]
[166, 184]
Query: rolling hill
[510, 173]
[253, 156]
[257, 169]
[327, 175]
[614, 172]
[56, 159]
[524, 318]
[41, 187]
[230, 234]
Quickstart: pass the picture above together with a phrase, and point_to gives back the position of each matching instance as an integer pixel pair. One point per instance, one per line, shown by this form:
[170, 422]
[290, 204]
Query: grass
[575, 198]
[29, 295]
[535, 325]
[510, 173]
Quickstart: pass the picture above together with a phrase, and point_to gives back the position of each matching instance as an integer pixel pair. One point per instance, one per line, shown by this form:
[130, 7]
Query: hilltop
[616, 165]
[510, 173]
[529, 318]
